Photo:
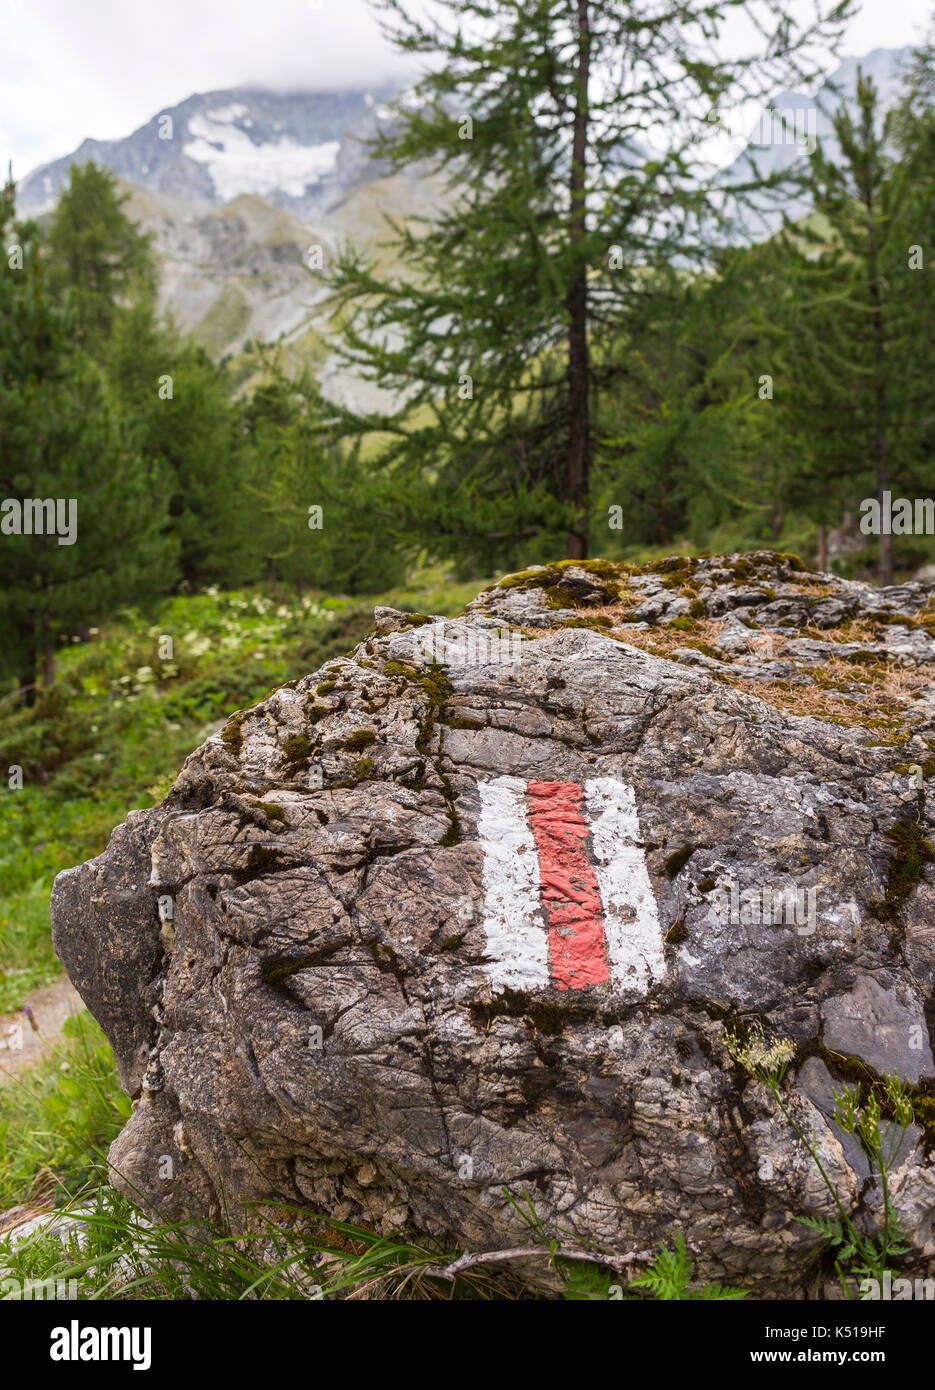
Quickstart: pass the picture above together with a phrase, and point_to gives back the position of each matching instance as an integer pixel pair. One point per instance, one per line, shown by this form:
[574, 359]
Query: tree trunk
[822, 548]
[48, 652]
[579, 431]
[885, 550]
[27, 688]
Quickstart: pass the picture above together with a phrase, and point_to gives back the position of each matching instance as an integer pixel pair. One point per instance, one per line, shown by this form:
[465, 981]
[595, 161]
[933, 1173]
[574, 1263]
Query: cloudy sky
[70, 69]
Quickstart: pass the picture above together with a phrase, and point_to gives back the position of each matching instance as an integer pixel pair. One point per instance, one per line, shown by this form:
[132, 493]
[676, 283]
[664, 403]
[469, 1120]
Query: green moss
[262, 859]
[546, 1017]
[671, 564]
[558, 598]
[385, 959]
[363, 768]
[451, 943]
[453, 834]
[596, 621]
[858, 1074]
[682, 624]
[359, 740]
[605, 569]
[677, 933]
[911, 853]
[794, 563]
[416, 619]
[273, 972]
[531, 579]
[232, 733]
[706, 885]
[273, 811]
[559, 588]
[698, 609]
[677, 861]
[296, 755]
[924, 1110]
[463, 723]
[325, 687]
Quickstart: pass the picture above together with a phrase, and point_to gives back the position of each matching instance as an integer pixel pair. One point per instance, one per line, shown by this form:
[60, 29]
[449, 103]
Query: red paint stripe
[570, 893]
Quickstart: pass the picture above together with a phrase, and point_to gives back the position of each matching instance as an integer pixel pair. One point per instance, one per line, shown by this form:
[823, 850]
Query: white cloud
[70, 71]
[101, 69]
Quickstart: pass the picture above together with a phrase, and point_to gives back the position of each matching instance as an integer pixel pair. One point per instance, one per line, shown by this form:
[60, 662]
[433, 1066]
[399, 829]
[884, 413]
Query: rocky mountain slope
[244, 271]
[238, 186]
[471, 911]
[300, 151]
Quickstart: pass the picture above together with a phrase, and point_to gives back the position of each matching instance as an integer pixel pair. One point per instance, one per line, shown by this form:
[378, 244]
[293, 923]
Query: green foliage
[498, 332]
[60, 439]
[293, 464]
[98, 256]
[183, 416]
[847, 322]
[860, 1252]
[58, 1118]
[290, 1255]
[669, 1276]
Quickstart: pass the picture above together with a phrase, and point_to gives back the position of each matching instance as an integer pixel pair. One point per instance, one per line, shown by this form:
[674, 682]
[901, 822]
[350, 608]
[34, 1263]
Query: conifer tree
[63, 447]
[844, 320]
[568, 132]
[309, 524]
[98, 253]
[183, 415]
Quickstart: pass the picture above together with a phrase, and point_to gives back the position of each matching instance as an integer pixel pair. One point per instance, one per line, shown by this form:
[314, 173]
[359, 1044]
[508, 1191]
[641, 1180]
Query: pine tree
[683, 432]
[62, 443]
[496, 330]
[843, 321]
[311, 525]
[184, 417]
[97, 252]
[912, 129]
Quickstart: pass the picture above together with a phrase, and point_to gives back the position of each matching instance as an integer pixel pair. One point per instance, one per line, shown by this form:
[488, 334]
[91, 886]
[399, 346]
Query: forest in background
[583, 362]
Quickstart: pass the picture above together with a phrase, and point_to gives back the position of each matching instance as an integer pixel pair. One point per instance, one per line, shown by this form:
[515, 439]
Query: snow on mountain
[238, 165]
[301, 151]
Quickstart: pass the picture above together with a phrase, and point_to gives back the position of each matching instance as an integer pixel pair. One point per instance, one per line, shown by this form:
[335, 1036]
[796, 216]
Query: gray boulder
[466, 912]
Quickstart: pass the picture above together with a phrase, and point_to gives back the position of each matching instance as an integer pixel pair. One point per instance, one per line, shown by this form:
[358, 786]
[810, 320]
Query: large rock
[466, 912]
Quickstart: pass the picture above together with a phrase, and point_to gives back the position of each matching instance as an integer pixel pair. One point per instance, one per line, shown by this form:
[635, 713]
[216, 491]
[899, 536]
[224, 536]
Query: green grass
[112, 732]
[58, 1118]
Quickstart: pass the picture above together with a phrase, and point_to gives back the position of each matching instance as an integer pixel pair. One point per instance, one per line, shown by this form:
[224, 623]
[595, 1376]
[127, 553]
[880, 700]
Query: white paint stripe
[517, 938]
[631, 920]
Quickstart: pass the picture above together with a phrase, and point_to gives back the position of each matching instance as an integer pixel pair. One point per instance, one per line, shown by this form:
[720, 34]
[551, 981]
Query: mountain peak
[301, 150]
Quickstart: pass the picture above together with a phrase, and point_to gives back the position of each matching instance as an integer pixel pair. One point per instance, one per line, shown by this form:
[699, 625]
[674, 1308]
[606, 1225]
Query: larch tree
[570, 137]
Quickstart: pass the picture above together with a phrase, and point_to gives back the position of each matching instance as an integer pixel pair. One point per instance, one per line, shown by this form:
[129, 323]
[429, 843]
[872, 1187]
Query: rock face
[468, 910]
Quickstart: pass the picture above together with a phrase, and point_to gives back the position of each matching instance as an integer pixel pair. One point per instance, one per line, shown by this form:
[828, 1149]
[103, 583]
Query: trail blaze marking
[568, 901]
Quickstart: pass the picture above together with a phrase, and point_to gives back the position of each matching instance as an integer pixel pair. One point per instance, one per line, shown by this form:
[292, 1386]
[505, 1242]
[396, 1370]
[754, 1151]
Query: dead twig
[525, 1252]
